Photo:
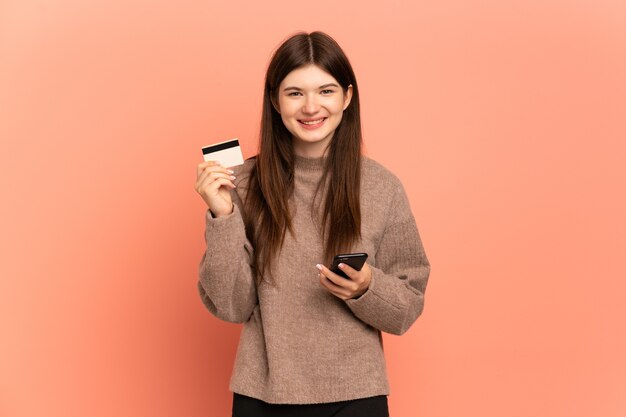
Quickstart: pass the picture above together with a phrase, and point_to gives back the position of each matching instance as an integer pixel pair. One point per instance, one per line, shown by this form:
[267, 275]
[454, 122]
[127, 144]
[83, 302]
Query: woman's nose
[311, 106]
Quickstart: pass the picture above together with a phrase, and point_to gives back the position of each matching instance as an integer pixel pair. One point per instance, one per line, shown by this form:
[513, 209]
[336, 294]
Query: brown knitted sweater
[299, 343]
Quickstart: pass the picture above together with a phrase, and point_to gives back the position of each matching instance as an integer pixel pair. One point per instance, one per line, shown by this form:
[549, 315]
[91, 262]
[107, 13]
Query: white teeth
[313, 122]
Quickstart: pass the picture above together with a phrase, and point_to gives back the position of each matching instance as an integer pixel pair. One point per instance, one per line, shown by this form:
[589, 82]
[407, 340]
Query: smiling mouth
[312, 122]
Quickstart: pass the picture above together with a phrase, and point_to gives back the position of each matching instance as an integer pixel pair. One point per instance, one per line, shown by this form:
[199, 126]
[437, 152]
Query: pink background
[504, 120]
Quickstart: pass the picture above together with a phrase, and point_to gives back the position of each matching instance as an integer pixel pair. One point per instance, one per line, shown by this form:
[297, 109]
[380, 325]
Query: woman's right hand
[214, 183]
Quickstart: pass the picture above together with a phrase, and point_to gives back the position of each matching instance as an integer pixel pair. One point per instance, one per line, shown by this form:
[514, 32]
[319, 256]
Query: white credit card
[228, 153]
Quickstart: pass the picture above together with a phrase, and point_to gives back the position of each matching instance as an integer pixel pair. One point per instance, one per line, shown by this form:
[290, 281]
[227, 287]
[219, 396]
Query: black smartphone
[355, 260]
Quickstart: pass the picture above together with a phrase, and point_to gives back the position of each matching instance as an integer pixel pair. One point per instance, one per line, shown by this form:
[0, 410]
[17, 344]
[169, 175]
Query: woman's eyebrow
[321, 87]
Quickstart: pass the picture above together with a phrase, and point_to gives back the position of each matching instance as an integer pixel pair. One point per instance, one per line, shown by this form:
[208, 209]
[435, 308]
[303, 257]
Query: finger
[334, 278]
[212, 166]
[352, 273]
[337, 279]
[333, 288]
[208, 177]
[204, 164]
[210, 162]
[213, 187]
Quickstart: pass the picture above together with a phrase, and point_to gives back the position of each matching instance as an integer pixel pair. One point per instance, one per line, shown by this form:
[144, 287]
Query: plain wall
[504, 120]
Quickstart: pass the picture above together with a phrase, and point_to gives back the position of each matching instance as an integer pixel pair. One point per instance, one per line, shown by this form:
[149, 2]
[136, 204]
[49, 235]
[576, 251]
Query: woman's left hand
[344, 288]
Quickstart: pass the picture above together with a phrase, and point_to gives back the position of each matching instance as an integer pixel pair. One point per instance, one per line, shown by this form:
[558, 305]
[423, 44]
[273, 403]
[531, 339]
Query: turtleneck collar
[309, 163]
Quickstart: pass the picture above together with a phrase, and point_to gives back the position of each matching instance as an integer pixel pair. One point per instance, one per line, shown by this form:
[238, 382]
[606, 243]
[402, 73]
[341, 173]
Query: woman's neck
[311, 150]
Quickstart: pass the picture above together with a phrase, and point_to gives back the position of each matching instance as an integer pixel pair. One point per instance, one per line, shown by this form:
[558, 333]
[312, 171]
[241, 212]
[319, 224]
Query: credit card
[228, 153]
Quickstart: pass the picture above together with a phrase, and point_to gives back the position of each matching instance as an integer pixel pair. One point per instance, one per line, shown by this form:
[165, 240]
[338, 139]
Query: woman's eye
[294, 93]
[327, 91]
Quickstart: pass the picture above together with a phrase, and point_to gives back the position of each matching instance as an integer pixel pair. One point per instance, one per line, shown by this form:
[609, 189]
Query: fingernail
[230, 171]
[341, 266]
[319, 266]
[232, 177]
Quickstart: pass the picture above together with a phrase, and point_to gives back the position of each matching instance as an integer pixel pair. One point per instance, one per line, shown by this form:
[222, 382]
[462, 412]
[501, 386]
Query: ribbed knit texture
[300, 344]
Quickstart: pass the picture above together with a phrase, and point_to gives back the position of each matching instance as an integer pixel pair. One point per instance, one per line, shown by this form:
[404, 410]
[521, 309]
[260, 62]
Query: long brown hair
[271, 179]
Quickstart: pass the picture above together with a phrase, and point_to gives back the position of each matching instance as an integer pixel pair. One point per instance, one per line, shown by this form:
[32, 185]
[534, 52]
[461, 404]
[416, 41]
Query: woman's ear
[348, 97]
[275, 103]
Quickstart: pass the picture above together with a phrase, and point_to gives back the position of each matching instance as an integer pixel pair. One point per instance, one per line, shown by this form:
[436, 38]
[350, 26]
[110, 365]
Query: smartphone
[355, 260]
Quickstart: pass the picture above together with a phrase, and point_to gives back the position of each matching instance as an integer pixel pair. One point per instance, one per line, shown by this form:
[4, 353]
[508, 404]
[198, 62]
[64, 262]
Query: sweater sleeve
[395, 297]
[226, 285]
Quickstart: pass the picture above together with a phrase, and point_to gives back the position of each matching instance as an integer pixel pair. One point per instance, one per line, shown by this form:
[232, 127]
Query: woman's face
[311, 104]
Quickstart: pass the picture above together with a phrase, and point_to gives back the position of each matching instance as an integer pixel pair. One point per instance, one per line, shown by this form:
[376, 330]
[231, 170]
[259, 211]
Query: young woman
[311, 342]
